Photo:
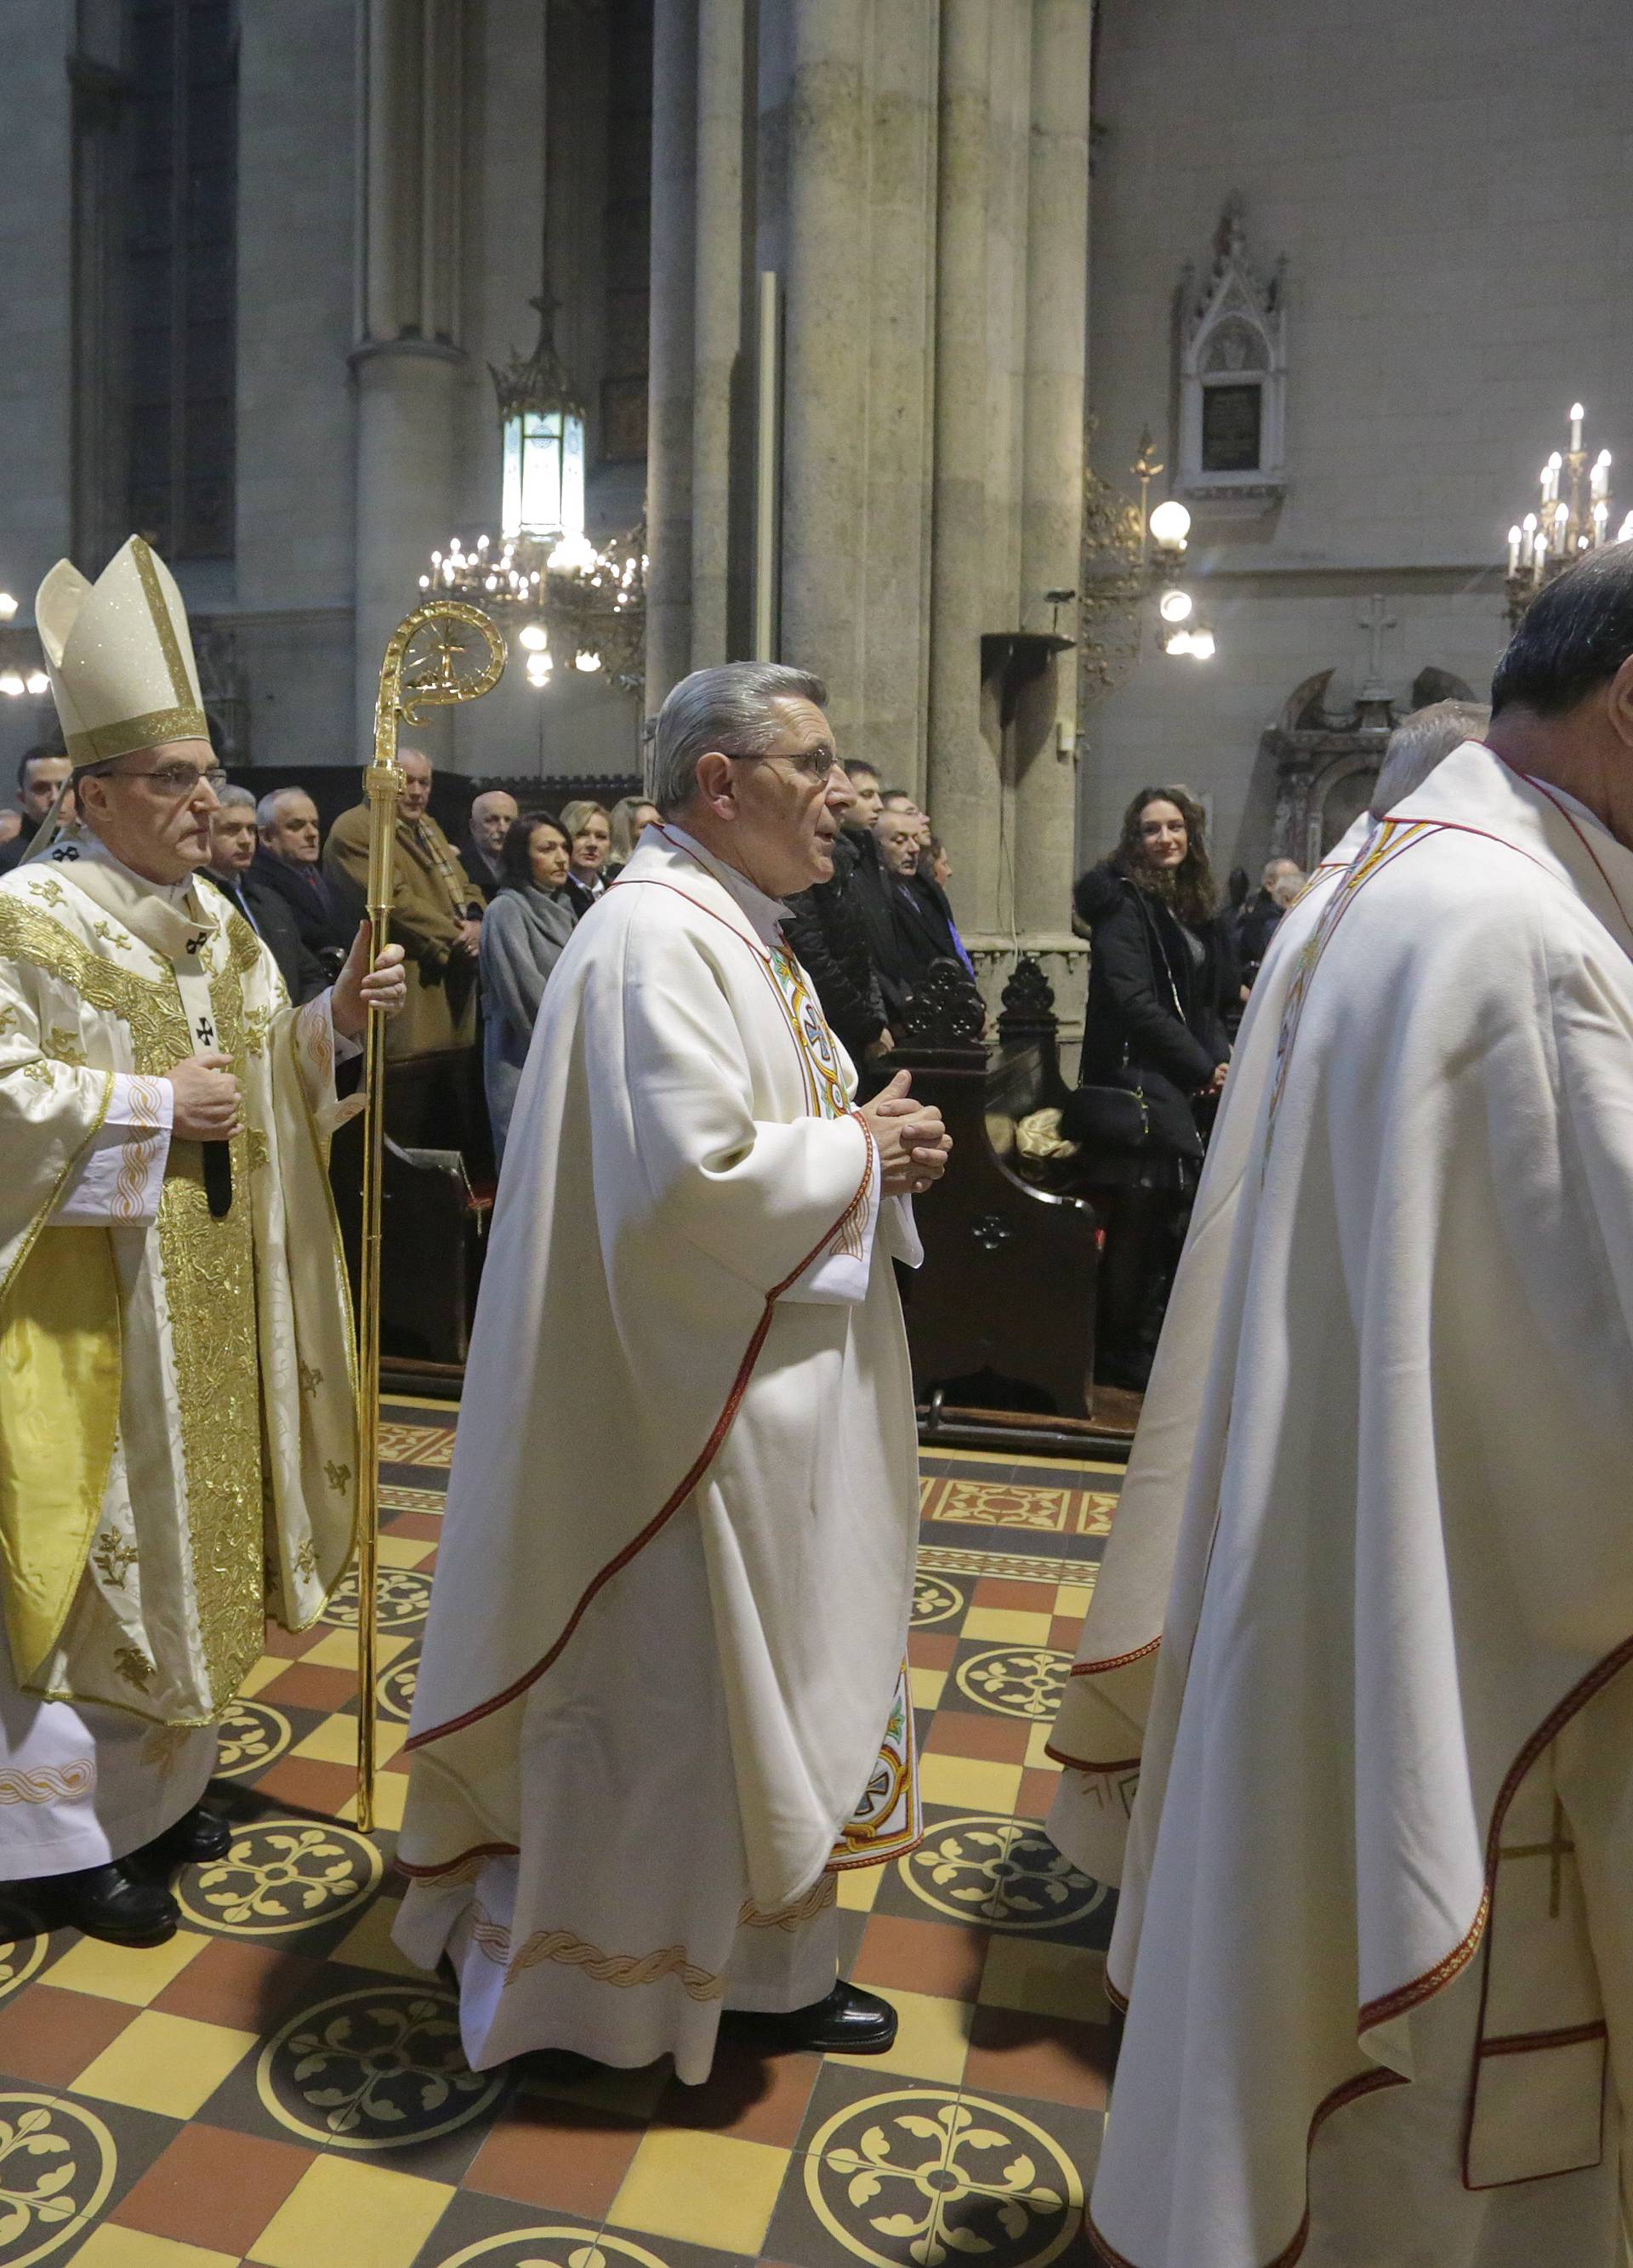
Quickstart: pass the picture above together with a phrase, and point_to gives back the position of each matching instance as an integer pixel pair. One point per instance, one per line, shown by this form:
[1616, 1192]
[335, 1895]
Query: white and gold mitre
[120, 655]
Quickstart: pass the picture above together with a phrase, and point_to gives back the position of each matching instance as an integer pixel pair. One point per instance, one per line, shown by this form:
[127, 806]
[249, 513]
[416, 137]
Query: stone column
[825, 395]
[717, 329]
[964, 773]
[408, 360]
[669, 422]
[1056, 287]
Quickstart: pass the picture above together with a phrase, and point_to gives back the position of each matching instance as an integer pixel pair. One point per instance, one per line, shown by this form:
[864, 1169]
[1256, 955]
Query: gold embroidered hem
[623, 1970]
[822, 1893]
[887, 1822]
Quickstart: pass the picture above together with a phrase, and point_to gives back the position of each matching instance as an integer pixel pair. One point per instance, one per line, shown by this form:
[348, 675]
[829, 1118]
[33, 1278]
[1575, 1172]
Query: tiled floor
[277, 2087]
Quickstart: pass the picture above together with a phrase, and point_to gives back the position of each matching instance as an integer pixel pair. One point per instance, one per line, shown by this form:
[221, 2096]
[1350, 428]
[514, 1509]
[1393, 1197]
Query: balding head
[288, 821]
[491, 814]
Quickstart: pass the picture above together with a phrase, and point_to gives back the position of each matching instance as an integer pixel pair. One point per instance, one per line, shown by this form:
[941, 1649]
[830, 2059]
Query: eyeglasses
[177, 779]
[817, 765]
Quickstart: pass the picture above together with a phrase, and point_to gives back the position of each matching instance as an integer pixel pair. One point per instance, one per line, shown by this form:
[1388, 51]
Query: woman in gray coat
[523, 932]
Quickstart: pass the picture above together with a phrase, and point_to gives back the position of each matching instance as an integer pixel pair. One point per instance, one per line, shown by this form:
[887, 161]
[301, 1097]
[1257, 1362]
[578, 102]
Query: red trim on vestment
[1569, 2035]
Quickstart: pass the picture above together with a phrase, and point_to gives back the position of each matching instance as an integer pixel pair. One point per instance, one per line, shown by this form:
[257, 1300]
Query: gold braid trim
[623, 1970]
[816, 1900]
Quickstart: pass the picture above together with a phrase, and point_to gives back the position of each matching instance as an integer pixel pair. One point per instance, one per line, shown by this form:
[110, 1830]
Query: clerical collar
[1571, 803]
[763, 912]
[83, 844]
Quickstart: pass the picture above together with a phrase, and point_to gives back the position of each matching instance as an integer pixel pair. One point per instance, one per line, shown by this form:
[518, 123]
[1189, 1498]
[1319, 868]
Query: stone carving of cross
[1375, 621]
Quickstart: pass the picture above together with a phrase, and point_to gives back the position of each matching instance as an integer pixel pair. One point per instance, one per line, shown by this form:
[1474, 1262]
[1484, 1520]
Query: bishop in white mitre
[1375, 1935]
[661, 1701]
[178, 1440]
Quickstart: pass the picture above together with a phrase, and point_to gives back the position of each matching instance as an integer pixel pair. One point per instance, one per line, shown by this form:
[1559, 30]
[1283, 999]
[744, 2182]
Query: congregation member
[629, 1801]
[41, 778]
[1279, 885]
[925, 929]
[493, 813]
[1162, 980]
[232, 843]
[591, 827]
[523, 932]
[1375, 1931]
[435, 913]
[630, 818]
[829, 931]
[178, 1431]
[11, 824]
[286, 864]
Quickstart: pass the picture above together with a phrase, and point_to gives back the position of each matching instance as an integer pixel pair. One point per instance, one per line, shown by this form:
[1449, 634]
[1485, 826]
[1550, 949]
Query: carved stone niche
[1231, 345]
[1326, 759]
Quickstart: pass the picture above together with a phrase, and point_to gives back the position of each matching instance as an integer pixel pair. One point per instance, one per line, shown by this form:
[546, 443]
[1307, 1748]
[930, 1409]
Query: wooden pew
[1001, 1317]
[436, 1197]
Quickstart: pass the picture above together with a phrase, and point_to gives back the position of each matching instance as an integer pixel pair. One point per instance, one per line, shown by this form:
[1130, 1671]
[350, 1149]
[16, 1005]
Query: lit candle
[1575, 426]
[1561, 529]
[1602, 516]
[1513, 551]
[1539, 554]
[1624, 533]
[1599, 480]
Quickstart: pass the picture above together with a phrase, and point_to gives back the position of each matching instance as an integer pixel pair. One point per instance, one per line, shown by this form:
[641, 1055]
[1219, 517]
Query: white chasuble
[660, 1692]
[177, 1448]
[1376, 1932]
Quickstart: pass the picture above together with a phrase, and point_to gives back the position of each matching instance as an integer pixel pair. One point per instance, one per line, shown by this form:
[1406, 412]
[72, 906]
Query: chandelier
[582, 608]
[19, 672]
[1134, 554]
[1573, 516]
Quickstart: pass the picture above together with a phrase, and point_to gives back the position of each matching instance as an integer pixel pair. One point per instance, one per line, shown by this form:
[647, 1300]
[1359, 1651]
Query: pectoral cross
[1556, 1850]
[1375, 621]
[204, 1032]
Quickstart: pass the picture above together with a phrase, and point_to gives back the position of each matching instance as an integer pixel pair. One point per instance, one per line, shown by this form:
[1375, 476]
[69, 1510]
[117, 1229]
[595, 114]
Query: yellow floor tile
[969, 1784]
[134, 1974]
[370, 1945]
[1007, 1626]
[1073, 1598]
[269, 1666]
[701, 2188]
[337, 1649]
[391, 1794]
[1046, 1980]
[927, 1686]
[404, 1551]
[1037, 1758]
[858, 1886]
[344, 2214]
[335, 1742]
[169, 2063]
[111, 2247]
[932, 2038]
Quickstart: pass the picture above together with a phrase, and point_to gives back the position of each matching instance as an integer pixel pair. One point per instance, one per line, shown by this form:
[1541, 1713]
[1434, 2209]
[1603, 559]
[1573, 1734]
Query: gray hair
[270, 807]
[1420, 742]
[729, 709]
[235, 798]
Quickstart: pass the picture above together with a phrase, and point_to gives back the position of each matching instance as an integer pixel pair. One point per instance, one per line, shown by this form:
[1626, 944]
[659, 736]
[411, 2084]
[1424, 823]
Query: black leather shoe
[198, 1835]
[850, 2022]
[111, 1902]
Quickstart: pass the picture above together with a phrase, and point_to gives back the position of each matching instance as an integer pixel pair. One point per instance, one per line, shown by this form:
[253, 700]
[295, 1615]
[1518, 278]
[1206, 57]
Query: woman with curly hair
[1162, 977]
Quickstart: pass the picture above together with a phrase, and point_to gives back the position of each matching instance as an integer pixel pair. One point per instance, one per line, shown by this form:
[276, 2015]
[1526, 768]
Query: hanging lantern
[541, 419]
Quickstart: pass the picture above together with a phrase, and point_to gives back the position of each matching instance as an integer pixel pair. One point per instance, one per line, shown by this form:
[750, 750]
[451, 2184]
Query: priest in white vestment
[1376, 1927]
[661, 1700]
[178, 1435]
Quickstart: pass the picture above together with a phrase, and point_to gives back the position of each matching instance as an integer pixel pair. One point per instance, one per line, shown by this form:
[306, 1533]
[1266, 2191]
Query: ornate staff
[426, 665]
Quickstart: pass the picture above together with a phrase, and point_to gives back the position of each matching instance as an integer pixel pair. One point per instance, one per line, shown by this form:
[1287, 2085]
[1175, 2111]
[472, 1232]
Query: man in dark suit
[491, 814]
[286, 866]
[231, 868]
[40, 776]
[925, 929]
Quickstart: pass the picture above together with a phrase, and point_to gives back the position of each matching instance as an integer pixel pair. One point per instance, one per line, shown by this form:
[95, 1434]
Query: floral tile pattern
[278, 2077]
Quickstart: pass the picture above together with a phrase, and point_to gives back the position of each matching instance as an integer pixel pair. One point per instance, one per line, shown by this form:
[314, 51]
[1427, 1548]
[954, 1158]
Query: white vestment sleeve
[121, 1174]
[838, 1276]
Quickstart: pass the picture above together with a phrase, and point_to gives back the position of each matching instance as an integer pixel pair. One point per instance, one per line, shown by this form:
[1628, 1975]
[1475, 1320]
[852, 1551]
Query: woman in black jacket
[1162, 979]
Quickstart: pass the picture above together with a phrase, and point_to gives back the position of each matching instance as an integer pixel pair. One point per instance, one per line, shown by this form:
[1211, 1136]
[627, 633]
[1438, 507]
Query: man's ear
[1619, 704]
[716, 782]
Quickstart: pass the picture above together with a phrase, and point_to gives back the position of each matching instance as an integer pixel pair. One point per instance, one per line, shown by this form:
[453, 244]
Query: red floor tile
[50, 2036]
[1038, 1791]
[1013, 2053]
[555, 2155]
[251, 1988]
[932, 1649]
[213, 2188]
[309, 1685]
[921, 1956]
[1066, 1634]
[1018, 1598]
[415, 1527]
[309, 1786]
[963, 1733]
[754, 2098]
[290, 1644]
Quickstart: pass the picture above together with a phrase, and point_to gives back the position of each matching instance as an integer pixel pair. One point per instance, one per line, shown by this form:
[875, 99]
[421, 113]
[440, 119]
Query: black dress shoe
[850, 2022]
[198, 1835]
[111, 1902]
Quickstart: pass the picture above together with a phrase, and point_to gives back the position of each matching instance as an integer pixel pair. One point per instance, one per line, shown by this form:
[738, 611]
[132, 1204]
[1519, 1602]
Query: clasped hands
[913, 1144]
[208, 1100]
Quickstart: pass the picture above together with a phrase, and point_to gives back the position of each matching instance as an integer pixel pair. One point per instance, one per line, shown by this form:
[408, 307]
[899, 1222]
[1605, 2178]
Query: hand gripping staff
[428, 665]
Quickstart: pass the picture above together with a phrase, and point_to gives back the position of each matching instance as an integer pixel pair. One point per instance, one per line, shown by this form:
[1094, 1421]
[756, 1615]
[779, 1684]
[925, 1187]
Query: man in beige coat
[434, 914]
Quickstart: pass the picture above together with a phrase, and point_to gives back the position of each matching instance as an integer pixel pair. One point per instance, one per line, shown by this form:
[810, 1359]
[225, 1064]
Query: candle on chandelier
[1601, 517]
[1539, 555]
[1599, 480]
[1576, 415]
[1513, 551]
